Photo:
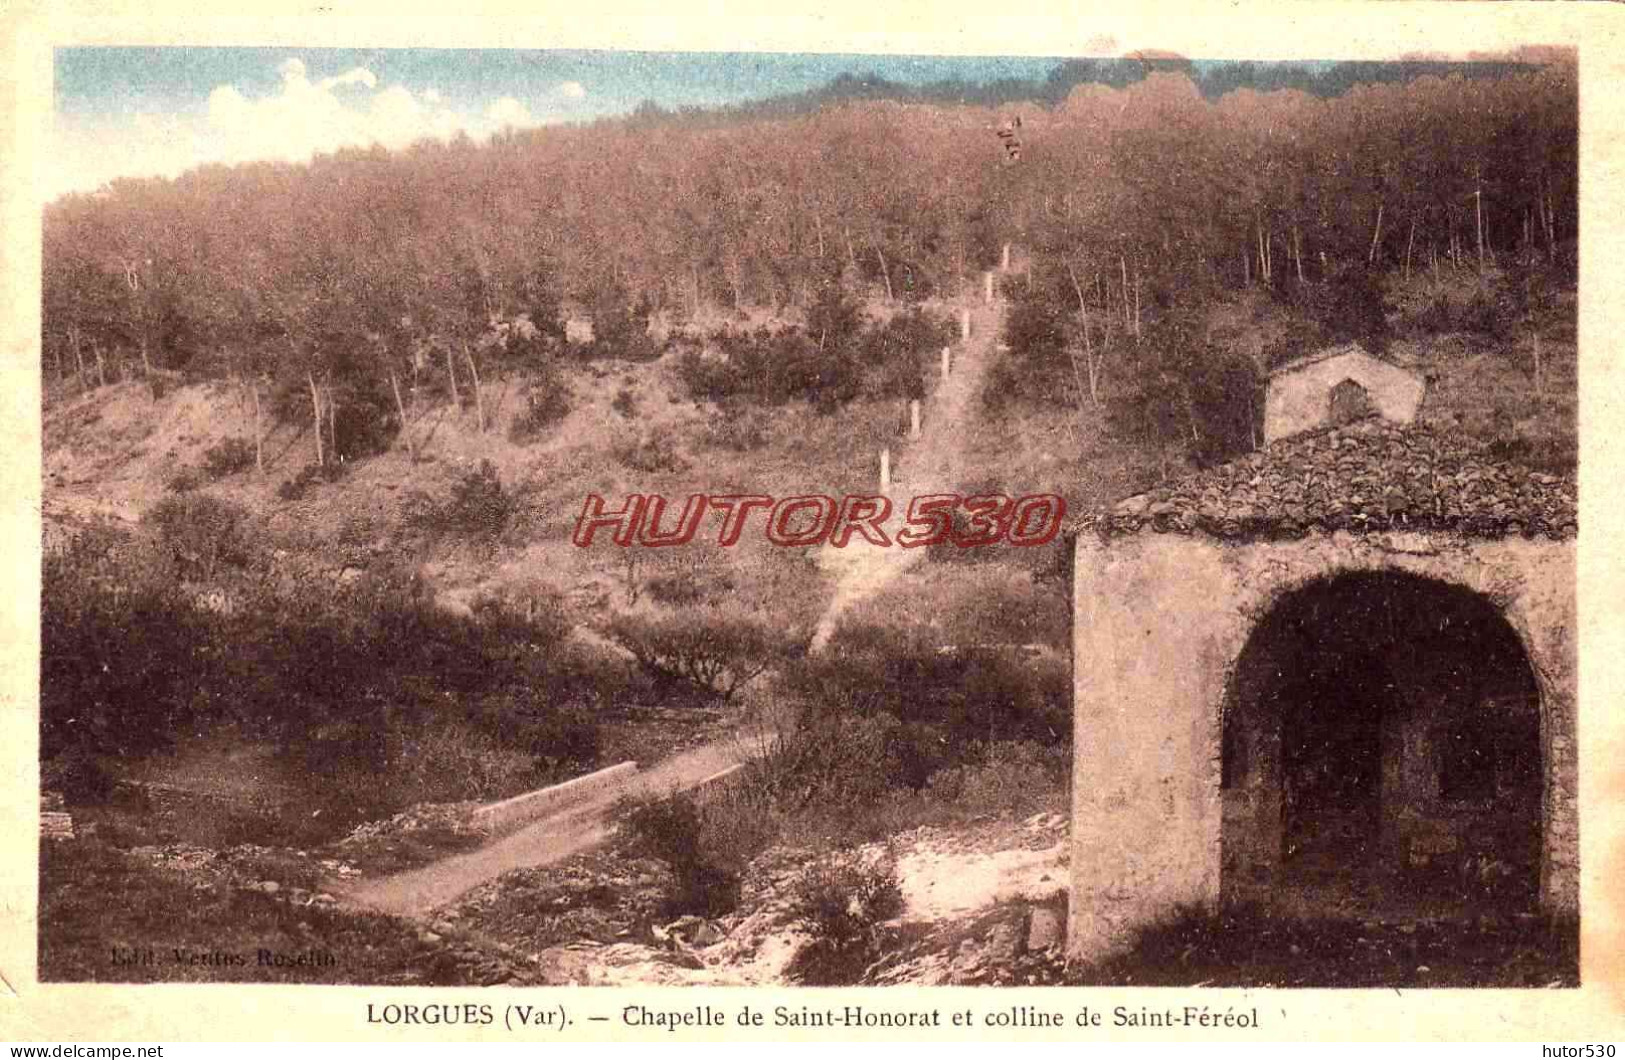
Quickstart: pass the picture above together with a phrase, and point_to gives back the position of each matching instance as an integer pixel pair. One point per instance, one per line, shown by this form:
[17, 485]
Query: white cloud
[300, 119]
[509, 111]
[572, 90]
[358, 76]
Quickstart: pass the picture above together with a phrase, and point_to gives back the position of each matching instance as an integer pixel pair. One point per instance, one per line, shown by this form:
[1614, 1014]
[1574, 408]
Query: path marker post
[885, 470]
[964, 325]
[945, 356]
[914, 418]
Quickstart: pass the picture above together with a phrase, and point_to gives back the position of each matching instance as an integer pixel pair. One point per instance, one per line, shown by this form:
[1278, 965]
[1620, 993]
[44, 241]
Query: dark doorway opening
[1382, 749]
[1331, 758]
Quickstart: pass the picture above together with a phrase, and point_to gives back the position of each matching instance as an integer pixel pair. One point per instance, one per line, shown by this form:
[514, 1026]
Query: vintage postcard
[1072, 528]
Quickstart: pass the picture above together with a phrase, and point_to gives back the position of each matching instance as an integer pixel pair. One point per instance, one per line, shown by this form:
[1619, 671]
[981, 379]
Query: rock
[428, 937]
[684, 957]
[268, 887]
[696, 931]
[1045, 930]
[1005, 942]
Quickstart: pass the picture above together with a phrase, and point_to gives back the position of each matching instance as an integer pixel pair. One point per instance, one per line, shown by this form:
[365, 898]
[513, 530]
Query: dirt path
[930, 464]
[551, 839]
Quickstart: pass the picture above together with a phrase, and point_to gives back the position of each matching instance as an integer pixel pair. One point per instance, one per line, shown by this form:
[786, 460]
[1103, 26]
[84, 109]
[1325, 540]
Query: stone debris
[56, 824]
[453, 817]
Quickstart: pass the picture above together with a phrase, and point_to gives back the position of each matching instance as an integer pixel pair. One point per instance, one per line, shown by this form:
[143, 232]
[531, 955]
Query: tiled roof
[1368, 476]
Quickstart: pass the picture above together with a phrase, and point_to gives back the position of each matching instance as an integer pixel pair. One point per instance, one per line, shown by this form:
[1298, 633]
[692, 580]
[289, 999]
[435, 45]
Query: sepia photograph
[529, 517]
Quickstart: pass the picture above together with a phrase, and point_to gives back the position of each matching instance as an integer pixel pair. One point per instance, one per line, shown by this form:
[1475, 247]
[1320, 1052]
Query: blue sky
[160, 111]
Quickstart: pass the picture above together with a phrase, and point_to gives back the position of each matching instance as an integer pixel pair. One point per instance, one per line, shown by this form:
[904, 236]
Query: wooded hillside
[329, 288]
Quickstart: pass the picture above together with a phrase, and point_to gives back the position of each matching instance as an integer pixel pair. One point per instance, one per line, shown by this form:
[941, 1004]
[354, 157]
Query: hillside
[317, 439]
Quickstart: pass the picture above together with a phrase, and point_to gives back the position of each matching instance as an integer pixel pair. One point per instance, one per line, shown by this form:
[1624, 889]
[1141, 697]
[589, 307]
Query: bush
[546, 403]
[453, 763]
[121, 649]
[833, 763]
[773, 366]
[228, 458]
[844, 903]
[735, 427]
[79, 775]
[201, 534]
[895, 353]
[651, 452]
[478, 505]
[678, 589]
[625, 404]
[706, 375]
[965, 692]
[296, 488]
[620, 325]
[711, 653]
[184, 480]
[673, 830]
[1350, 308]
[1006, 777]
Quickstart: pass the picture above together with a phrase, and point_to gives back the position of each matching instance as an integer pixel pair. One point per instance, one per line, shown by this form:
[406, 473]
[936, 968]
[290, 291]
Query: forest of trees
[327, 289]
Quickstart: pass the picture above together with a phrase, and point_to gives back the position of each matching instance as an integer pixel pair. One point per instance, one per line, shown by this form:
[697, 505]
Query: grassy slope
[113, 451]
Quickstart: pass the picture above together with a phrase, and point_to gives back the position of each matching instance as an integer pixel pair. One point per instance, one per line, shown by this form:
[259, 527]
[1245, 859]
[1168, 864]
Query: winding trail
[551, 839]
[929, 464]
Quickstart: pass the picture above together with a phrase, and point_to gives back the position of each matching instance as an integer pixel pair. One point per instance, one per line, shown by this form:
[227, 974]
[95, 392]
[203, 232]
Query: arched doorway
[1382, 747]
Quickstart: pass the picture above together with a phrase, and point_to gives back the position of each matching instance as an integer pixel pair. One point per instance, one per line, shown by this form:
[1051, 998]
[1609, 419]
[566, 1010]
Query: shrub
[1007, 777]
[296, 488]
[478, 505]
[834, 319]
[706, 376]
[201, 534]
[121, 648]
[650, 452]
[894, 352]
[673, 830]
[833, 762]
[712, 653]
[965, 692]
[735, 427]
[184, 480]
[620, 324]
[774, 366]
[452, 762]
[677, 589]
[79, 775]
[546, 403]
[625, 404]
[843, 901]
[1353, 309]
